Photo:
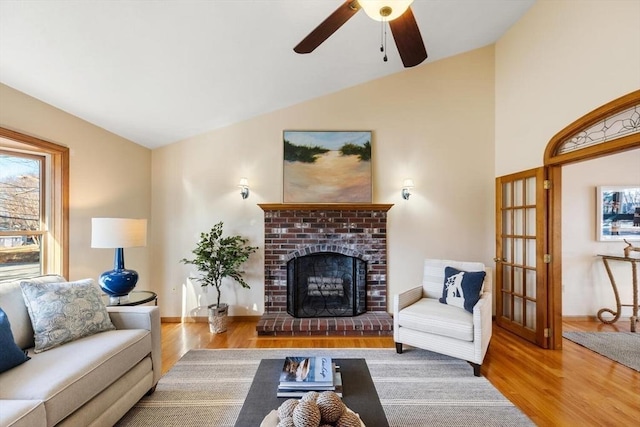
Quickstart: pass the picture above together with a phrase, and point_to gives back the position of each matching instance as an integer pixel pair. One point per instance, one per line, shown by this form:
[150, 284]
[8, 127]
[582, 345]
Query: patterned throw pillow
[10, 354]
[462, 288]
[63, 312]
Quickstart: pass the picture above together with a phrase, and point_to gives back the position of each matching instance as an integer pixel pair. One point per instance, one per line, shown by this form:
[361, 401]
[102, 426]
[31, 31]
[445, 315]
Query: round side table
[134, 298]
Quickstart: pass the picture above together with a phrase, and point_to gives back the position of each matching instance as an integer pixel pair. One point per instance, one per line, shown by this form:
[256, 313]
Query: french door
[521, 255]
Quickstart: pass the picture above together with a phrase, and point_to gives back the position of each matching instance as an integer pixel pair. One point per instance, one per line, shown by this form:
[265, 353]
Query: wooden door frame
[553, 162]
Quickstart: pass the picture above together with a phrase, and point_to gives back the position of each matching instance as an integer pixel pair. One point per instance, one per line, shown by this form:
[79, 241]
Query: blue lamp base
[119, 281]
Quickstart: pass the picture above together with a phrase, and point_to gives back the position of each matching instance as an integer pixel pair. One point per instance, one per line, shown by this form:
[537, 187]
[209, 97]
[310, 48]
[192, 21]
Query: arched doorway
[611, 128]
[529, 220]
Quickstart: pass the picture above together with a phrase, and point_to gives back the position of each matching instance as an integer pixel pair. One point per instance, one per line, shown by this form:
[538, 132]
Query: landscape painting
[327, 167]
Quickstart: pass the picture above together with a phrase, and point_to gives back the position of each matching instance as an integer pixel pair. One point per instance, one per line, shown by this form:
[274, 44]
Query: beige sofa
[91, 381]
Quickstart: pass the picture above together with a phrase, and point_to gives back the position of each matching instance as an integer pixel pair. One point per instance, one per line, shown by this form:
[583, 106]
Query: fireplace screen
[326, 285]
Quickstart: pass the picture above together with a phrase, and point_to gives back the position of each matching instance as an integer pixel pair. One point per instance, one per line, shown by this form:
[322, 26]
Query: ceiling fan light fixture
[384, 10]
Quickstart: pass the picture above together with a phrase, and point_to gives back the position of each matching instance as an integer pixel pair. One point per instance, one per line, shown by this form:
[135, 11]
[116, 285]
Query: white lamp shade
[407, 183]
[244, 182]
[372, 8]
[118, 232]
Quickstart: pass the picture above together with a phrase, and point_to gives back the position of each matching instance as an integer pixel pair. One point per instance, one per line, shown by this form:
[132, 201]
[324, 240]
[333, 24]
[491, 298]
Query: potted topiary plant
[217, 257]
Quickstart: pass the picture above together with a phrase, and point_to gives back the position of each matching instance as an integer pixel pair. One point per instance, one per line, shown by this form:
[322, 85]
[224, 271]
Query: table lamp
[118, 233]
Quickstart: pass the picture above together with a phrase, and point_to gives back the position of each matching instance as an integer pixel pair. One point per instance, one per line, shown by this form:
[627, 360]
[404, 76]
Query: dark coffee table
[359, 393]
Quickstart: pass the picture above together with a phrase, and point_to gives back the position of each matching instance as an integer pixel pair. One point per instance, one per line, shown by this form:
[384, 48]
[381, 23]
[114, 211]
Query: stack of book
[303, 374]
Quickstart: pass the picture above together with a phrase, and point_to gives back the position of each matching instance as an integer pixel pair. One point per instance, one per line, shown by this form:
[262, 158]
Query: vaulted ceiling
[158, 71]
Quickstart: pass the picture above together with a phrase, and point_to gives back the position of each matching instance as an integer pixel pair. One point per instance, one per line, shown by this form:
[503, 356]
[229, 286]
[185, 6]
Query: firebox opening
[326, 284]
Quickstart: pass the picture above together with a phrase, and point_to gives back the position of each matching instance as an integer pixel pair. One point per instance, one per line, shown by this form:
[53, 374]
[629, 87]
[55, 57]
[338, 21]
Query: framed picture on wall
[327, 167]
[618, 213]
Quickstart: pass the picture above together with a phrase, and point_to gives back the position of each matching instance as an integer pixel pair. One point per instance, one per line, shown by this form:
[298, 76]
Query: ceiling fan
[396, 12]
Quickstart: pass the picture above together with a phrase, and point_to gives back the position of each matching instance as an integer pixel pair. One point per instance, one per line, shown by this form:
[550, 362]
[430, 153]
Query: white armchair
[421, 320]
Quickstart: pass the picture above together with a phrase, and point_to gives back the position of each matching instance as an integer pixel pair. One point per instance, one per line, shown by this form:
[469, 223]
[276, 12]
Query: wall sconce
[244, 187]
[407, 185]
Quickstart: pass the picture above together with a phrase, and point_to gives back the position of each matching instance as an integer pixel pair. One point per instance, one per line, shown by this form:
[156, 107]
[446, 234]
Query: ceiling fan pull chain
[385, 41]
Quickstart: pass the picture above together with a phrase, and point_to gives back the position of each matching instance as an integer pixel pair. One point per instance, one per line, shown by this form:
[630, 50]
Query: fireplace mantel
[383, 207]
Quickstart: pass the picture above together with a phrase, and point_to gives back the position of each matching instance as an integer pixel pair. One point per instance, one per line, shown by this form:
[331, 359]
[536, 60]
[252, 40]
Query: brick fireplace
[296, 230]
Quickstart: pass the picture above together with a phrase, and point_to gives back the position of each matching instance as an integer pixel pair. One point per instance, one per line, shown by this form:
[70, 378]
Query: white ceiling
[158, 71]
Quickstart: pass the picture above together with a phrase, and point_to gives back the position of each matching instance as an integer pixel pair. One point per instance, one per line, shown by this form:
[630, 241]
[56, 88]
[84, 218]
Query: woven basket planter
[218, 316]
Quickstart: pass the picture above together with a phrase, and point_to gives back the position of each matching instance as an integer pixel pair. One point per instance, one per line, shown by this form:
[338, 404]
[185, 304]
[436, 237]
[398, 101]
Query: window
[21, 222]
[33, 206]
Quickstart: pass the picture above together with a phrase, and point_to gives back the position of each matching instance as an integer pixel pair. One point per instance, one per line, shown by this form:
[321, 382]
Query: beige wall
[586, 285]
[433, 123]
[109, 176]
[563, 59]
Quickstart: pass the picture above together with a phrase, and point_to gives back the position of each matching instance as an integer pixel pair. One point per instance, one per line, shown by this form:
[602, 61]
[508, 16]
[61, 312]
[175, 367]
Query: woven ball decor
[286, 409]
[331, 406]
[348, 419]
[306, 414]
[315, 409]
[310, 396]
[286, 422]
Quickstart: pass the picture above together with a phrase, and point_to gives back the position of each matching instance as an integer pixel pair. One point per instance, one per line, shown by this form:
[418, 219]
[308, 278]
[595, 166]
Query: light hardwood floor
[569, 387]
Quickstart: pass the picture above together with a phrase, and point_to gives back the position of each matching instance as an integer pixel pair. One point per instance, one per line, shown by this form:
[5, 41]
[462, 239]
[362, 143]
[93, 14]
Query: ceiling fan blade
[408, 39]
[328, 27]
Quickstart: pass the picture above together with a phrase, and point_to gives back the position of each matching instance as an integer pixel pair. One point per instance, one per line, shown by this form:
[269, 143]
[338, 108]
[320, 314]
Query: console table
[634, 274]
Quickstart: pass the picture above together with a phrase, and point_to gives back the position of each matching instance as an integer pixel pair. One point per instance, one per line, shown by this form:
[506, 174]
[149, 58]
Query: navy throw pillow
[10, 354]
[462, 288]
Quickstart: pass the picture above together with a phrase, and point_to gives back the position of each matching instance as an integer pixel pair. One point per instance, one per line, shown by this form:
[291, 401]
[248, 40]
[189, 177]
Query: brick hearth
[373, 323]
[293, 230]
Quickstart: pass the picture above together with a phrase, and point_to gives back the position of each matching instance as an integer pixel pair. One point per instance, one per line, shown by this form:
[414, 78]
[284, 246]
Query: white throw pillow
[63, 312]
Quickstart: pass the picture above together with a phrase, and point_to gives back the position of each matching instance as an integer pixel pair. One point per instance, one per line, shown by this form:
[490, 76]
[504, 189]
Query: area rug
[623, 347]
[416, 388]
